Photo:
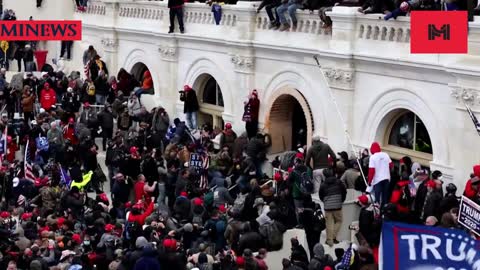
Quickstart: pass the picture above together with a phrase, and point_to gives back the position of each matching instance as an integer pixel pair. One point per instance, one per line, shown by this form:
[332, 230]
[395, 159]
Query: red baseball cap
[60, 221]
[71, 120]
[4, 214]
[228, 126]
[184, 194]
[86, 104]
[197, 201]
[77, 239]
[222, 208]
[26, 216]
[170, 244]
[240, 261]
[109, 227]
[363, 199]
[277, 177]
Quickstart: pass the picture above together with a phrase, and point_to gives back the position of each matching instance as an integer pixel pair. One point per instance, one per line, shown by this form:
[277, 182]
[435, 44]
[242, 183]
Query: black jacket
[189, 98]
[105, 119]
[175, 3]
[333, 193]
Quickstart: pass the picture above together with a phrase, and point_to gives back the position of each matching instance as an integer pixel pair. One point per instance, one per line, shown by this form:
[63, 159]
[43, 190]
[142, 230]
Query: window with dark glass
[212, 94]
[408, 131]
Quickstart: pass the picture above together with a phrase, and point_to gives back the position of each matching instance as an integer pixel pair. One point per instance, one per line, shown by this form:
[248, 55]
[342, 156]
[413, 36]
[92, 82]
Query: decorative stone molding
[242, 63]
[168, 53]
[339, 78]
[109, 43]
[465, 95]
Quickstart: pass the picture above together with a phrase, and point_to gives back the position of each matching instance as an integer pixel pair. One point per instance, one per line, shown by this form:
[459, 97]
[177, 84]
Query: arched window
[211, 101]
[408, 131]
[212, 94]
[138, 71]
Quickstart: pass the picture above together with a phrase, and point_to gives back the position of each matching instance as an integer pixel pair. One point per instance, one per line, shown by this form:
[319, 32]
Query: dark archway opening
[288, 124]
[138, 72]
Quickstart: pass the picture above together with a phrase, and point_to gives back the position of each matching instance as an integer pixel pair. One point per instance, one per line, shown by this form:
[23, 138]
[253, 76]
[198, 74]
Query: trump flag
[412, 247]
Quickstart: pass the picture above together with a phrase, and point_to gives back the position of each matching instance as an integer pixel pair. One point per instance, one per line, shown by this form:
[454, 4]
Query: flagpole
[25, 159]
[5, 148]
[345, 129]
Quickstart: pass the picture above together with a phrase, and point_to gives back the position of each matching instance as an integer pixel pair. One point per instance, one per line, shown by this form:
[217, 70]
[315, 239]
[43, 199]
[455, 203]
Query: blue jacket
[148, 261]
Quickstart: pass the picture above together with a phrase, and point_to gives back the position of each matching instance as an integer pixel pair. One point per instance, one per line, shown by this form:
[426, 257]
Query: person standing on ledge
[190, 106]
[250, 114]
[176, 9]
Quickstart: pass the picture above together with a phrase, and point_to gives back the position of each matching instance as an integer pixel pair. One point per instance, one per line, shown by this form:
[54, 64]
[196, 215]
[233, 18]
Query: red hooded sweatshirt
[397, 196]
[140, 219]
[374, 149]
[470, 192]
[147, 80]
[139, 191]
[48, 97]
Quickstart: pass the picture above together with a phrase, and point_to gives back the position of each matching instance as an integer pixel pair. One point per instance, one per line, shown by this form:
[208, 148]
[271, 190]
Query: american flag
[347, 259]
[27, 163]
[474, 119]
[204, 176]
[86, 70]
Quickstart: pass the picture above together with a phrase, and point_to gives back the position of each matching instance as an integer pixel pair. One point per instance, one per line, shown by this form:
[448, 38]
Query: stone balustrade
[352, 32]
[148, 11]
[96, 8]
[371, 27]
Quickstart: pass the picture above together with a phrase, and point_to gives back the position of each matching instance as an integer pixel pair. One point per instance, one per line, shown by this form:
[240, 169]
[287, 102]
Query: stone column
[167, 91]
[244, 67]
[109, 39]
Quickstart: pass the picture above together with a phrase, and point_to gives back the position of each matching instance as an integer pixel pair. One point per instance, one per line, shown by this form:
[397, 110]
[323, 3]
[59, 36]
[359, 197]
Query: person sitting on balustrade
[291, 6]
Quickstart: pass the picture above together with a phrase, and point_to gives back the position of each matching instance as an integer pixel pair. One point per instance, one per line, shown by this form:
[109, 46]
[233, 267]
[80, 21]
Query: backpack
[306, 183]
[319, 220]
[208, 199]
[273, 234]
[239, 203]
[132, 230]
[197, 219]
[90, 89]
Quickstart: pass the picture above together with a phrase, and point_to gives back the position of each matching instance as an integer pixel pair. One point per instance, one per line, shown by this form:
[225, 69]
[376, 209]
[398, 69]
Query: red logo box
[439, 32]
[40, 30]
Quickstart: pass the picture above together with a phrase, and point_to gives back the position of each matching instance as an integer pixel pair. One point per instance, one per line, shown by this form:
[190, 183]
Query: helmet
[451, 188]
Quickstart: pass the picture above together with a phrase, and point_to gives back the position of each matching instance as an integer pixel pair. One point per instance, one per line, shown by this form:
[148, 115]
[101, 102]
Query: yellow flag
[4, 45]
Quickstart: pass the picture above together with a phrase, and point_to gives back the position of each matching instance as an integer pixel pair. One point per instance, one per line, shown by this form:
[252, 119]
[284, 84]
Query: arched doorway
[138, 70]
[403, 133]
[289, 121]
[210, 99]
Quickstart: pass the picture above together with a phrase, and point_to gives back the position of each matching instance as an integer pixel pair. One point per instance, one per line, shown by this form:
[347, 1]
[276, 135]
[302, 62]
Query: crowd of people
[178, 194]
[165, 209]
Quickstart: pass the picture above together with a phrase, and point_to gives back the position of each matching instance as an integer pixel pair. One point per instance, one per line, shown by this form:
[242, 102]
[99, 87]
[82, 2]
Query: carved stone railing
[370, 27]
[202, 14]
[96, 8]
[142, 11]
[308, 23]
